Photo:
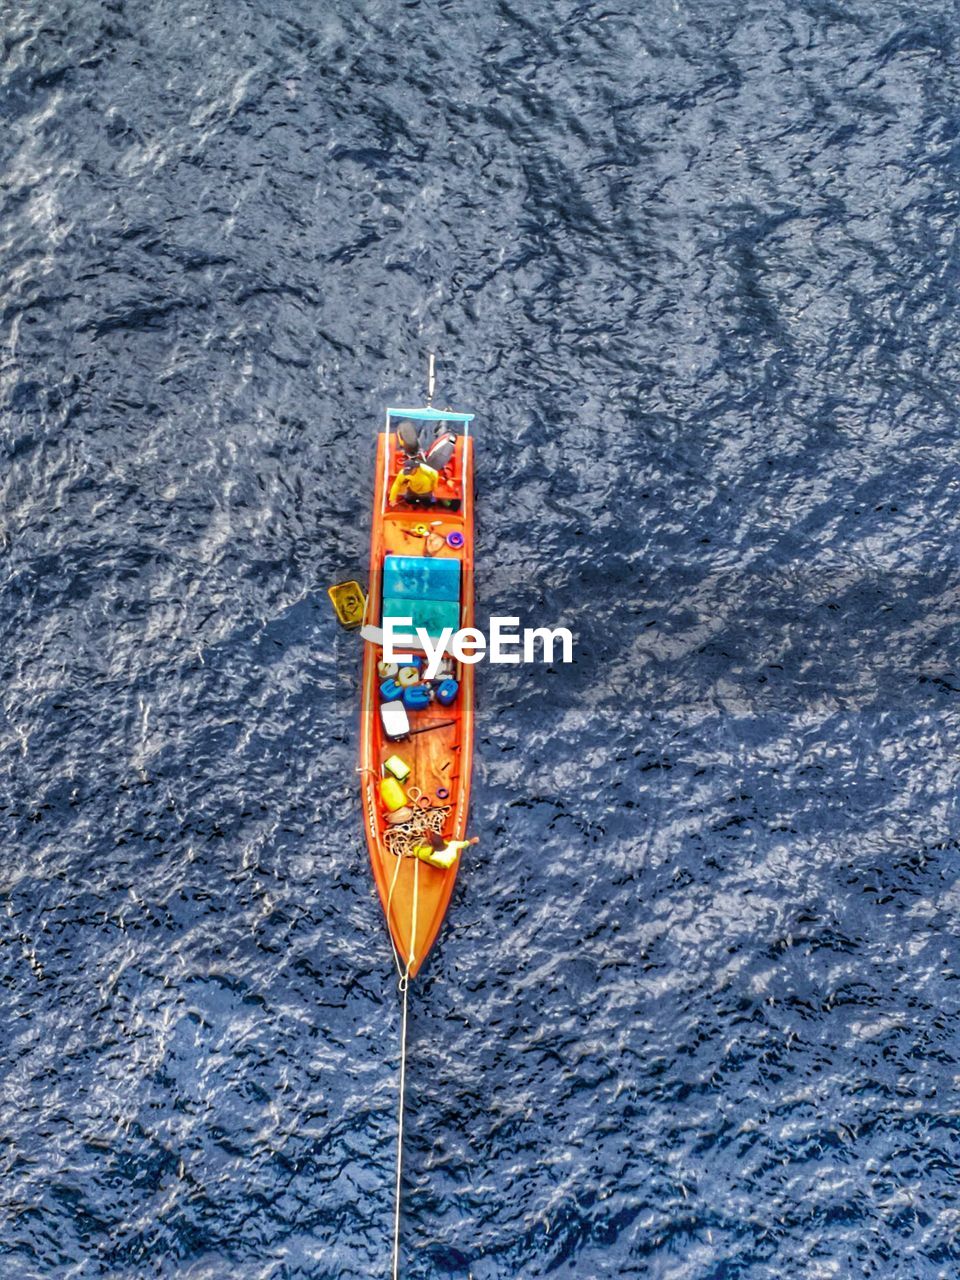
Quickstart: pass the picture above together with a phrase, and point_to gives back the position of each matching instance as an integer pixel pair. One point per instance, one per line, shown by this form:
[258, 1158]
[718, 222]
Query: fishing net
[403, 839]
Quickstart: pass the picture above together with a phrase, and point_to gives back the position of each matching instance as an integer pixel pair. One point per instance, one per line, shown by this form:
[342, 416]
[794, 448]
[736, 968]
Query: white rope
[413, 923]
[404, 988]
[393, 945]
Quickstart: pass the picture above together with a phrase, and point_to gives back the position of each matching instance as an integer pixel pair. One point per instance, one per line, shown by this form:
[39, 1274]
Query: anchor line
[404, 986]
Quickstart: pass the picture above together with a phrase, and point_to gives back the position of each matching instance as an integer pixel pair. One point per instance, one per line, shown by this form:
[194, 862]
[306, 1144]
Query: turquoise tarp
[421, 578]
[423, 588]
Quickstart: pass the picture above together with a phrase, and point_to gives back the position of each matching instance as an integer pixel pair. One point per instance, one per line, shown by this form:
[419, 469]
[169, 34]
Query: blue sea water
[693, 1014]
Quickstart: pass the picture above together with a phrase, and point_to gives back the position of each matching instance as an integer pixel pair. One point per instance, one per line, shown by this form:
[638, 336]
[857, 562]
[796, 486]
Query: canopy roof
[430, 415]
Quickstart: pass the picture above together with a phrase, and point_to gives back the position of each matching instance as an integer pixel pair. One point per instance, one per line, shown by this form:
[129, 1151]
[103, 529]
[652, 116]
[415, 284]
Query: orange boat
[416, 734]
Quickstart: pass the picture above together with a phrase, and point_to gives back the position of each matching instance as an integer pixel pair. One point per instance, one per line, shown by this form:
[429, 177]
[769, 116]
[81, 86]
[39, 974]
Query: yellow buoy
[392, 794]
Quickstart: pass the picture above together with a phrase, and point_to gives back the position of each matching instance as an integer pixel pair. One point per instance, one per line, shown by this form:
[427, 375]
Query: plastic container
[390, 691]
[431, 615]
[408, 676]
[398, 767]
[348, 602]
[447, 691]
[392, 794]
[419, 578]
[395, 721]
[416, 698]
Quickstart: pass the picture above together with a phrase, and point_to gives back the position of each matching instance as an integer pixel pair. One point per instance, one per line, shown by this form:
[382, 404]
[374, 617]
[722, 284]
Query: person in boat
[409, 438]
[415, 480]
[439, 852]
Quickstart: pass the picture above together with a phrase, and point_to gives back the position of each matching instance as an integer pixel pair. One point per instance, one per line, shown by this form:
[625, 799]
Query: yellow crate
[349, 603]
[398, 767]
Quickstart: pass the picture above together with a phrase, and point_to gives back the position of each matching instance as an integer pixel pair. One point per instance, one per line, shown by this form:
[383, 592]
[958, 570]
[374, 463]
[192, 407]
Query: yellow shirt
[419, 482]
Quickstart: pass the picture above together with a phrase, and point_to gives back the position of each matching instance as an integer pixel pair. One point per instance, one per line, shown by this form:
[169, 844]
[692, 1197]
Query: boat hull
[414, 894]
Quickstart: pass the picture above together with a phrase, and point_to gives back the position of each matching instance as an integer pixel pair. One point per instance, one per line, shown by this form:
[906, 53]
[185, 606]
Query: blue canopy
[430, 415]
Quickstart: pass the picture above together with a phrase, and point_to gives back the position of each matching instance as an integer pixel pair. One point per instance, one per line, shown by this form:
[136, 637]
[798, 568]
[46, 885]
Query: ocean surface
[694, 1013]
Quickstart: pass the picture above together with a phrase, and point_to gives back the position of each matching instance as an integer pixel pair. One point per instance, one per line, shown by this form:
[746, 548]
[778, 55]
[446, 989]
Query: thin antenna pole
[404, 987]
[431, 381]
